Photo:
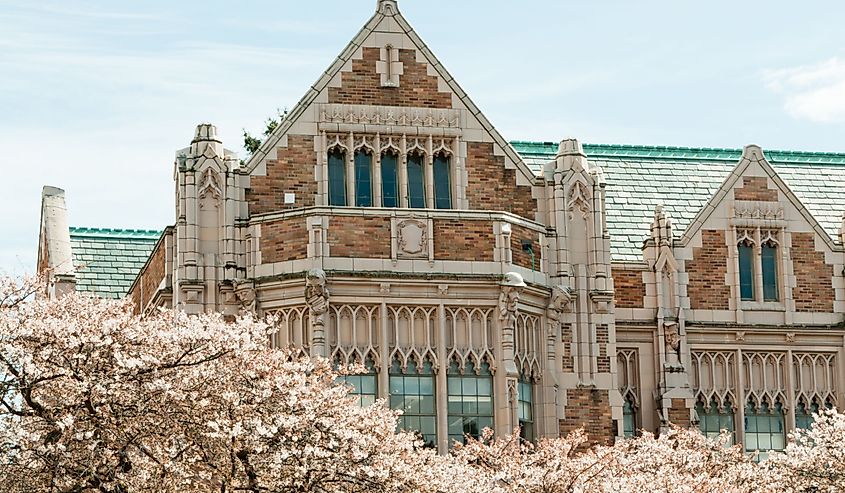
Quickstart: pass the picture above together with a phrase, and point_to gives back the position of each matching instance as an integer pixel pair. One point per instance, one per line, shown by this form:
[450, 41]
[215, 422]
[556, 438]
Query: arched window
[363, 178]
[746, 270]
[442, 182]
[629, 417]
[389, 179]
[764, 429]
[713, 419]
[416, 180]
[364, 385]
[804, 414]
[470, 401]
[413, 393]
[337, 177]
[769, 264]
[525, 411]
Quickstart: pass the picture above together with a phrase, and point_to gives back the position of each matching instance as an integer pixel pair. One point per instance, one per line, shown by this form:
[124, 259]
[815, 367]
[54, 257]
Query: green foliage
[252, 143]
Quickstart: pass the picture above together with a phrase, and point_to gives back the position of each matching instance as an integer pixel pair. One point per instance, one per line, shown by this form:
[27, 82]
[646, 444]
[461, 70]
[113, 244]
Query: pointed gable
[387, 82]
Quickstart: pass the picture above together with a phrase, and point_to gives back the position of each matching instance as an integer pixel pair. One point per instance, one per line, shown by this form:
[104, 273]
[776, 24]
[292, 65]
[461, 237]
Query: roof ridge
[114, 232]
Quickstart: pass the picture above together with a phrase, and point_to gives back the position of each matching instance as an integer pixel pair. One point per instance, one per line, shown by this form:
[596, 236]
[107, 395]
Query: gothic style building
[493, 283]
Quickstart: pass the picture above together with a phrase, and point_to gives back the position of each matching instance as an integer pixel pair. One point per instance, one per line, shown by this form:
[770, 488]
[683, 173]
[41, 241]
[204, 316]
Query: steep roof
[108, 260]
[683, 179]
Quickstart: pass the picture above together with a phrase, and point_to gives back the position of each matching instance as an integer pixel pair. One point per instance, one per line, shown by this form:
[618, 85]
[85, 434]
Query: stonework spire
[387, 7]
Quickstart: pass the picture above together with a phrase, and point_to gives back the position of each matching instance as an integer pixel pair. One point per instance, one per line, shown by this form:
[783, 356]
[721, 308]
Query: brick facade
[149, 279]
[363, 84]
[589, 409]
[463, 240]
[520, 256]
[629, 289]
[603, 339]
[359, 237]
[284, 240]
[756, 188]
[813, 277]
[679, 415]
[291, 172]
[492, 187]
[707, 271]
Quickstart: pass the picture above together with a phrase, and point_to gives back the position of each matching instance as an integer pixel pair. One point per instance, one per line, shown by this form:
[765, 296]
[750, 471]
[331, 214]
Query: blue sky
[95, 96]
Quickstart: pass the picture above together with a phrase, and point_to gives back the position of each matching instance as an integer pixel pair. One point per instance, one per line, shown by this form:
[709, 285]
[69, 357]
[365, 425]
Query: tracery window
[804, 415]
[525, 391]
[746, 270]
[764, 429]
[412, 391]
[470, 400]
[337, 177]
[389, 179]
[416, 180]
[768, 259]
[757, 255]
[442, 182]
[364, 385]
[629, 418]
[363, 178]
[713, 419]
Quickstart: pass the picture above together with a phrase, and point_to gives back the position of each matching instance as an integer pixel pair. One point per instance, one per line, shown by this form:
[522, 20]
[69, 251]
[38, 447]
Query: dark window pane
[416, 186]
[363, 179]
[768, 256]
[389, 180]
[746, 272]
[337, 178]
[442, 183]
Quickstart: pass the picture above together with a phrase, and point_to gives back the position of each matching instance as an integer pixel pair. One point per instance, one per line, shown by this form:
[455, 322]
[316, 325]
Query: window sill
[768, 306]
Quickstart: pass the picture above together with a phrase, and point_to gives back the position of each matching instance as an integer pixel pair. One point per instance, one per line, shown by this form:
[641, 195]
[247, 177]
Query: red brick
[629, 289]
[707, 270]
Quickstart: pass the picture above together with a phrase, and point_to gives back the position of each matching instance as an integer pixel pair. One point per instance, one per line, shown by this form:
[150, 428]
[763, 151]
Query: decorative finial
[387, 7]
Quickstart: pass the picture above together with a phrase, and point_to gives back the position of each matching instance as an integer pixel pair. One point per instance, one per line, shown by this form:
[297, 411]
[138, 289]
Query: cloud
[811, 92]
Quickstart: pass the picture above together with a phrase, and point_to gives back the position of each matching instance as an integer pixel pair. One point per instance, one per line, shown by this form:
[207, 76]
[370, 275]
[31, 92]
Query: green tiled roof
[108, 260]
[683, 179]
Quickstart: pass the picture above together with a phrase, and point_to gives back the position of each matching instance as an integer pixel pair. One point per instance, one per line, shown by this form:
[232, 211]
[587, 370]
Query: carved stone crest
[412, 239]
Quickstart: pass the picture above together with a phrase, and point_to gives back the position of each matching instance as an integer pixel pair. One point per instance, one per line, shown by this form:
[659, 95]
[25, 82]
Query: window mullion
[758, 267]
[350, 171]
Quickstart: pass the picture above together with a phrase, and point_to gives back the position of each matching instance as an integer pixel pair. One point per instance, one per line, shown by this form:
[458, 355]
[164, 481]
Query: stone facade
[530, 272]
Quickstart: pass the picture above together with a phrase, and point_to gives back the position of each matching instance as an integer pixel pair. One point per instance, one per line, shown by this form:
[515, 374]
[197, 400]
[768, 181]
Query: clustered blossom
[94, 399]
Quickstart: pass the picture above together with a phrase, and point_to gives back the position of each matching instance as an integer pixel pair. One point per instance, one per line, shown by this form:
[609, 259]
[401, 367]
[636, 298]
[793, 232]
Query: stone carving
[245, 294]
[412, 239]
[316, 292]
[758, 210]
[579, 198]
[390, 115]
[672, 339]
[509, 297]
[740, 336]
[790, 337]
[559, 302]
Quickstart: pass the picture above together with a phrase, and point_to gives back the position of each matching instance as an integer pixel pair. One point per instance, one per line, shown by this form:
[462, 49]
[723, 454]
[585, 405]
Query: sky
[96, 96]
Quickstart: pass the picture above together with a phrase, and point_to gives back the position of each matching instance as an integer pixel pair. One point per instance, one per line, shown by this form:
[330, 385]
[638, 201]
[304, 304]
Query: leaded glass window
[804, 415]
[389, 180]
[629, 418]
[746, 271]
[413, 393]
[768, 257]
[363, 178]
[713, 419]
[764, 429]
[470, 400]
[364, 385]
[442, 182]
[416, 181]
[525, 390]
[337, 177]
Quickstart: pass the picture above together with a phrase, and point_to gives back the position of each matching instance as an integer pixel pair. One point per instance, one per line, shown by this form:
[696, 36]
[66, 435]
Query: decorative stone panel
[411, 238]
[707, 270]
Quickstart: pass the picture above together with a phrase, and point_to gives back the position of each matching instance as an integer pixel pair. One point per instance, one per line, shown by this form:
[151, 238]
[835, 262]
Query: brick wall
[707, 270]
[813, 277]
[291, 172]
[520, 256]
[359, 237]
[629, 289]
[149, 279]
[755, 188]
[363, 84]
[463, 240]
[589, 409]
[603, 339]
[566, 337]
[492, 187]
[679, 414]
[284, 240]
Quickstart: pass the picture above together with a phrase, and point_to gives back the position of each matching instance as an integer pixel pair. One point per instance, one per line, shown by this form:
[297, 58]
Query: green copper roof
[684, 179]
[108, 260]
